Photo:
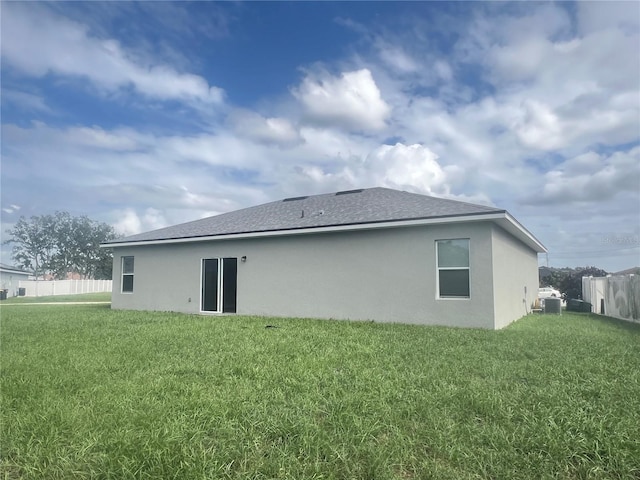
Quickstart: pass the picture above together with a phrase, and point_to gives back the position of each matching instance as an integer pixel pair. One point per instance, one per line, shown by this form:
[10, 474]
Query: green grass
[80, 297]
[92, 393]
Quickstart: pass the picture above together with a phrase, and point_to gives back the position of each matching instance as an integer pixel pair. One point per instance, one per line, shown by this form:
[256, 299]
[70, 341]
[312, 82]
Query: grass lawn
[80, 297]
[92, 393]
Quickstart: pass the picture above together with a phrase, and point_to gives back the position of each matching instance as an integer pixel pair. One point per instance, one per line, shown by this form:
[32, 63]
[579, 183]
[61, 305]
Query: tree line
[568, 280]
[60, 244]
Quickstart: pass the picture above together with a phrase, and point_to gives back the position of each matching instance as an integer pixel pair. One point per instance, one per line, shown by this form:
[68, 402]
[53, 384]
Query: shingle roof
[12, 269]
[353, 207]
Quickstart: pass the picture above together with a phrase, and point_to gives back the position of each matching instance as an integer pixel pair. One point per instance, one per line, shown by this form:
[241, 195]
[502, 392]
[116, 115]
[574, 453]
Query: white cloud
[527, 20]
[11, 208]
[522, 61]
[396, 58]
[37, 42]
[351, 101]
[25, 100]
[595, 16]
[564, 90]
[270, 130]
[222, 148]
[129, 223]
[406, 167]
[539, 127]
[96, 137]
[443, 70]
[592, 177]
[153, 219]
[326, 144]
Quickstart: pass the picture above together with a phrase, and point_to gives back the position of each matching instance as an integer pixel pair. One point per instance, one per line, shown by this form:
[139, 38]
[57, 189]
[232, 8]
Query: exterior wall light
[243, 258]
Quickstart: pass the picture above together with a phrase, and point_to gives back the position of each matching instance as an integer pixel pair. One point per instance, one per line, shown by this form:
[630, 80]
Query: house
[10, 278]
[369, 254]
[628, 271]
[616, 295]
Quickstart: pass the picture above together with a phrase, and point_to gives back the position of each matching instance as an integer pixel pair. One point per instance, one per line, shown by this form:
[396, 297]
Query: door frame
[220, 285]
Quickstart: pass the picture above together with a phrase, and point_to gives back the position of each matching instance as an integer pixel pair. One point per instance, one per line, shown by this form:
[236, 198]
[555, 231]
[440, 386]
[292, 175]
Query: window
[127, 274]
[453, 268]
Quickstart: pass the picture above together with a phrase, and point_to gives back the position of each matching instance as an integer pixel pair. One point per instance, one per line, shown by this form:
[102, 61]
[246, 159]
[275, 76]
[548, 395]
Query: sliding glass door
[219, 285]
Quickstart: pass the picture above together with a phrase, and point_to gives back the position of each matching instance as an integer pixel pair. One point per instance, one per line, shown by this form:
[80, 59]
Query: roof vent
[293, 199]
[347, 192]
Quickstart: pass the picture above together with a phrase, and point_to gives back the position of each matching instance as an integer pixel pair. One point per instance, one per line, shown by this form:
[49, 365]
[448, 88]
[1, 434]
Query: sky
[149, 114]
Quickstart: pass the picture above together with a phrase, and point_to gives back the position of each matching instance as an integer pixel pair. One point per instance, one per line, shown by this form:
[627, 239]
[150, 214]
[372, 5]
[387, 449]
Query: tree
[33, 244]
[553, 278]
[569, 280]
[60, 244]
[571, 285]
[89, 259]
[63, 236]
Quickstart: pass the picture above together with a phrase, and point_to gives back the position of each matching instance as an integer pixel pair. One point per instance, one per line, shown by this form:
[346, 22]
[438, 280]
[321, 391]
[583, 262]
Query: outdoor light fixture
[243, 258]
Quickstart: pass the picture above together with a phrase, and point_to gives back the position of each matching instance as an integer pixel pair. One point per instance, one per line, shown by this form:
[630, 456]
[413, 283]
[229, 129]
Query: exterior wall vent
[293, 199]
[347, 192]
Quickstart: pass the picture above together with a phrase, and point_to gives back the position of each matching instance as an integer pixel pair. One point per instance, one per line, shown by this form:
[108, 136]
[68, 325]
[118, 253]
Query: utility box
[575, 305]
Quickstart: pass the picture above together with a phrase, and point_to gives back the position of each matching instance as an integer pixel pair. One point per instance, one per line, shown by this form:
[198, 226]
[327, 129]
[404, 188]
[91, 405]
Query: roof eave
[19, 272]
[501, 217]
[511, 225]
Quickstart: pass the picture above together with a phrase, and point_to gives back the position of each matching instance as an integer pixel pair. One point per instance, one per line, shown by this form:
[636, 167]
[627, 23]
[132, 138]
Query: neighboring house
[68, 276]
[10, 278]
[372, 254]
[628, 271]
[614, 295]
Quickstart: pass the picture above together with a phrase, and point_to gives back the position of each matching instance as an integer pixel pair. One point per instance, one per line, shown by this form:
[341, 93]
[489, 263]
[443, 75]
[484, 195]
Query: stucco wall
[515, 267]
[383, 275]
[620, 294]
[10, 281]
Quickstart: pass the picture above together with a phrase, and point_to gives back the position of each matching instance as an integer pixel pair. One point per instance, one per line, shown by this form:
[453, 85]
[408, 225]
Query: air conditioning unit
[553, 305]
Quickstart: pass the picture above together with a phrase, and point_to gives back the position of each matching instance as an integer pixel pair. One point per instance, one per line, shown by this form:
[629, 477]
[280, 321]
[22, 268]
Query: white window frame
[438, 269]
[128, 274]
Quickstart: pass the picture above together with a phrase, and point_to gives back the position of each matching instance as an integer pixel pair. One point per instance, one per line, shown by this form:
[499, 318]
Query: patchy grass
[92, 393]
[80, 297]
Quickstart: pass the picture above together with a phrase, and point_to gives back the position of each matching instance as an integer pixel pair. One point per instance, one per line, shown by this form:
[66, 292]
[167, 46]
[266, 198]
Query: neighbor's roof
[10, 269]
[628, 271]
[351, 209]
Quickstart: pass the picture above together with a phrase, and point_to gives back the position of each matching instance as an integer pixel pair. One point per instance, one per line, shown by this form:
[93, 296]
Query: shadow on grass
[626, 325]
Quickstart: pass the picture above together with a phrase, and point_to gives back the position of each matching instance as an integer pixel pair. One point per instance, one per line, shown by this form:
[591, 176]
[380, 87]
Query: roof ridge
[444, 199]
[343, 207]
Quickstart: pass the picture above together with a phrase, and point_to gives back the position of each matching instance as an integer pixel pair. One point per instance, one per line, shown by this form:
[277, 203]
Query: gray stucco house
[10, 278]
[371, 254]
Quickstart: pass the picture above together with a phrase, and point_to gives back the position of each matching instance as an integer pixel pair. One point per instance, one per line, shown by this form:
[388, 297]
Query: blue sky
[148, 114]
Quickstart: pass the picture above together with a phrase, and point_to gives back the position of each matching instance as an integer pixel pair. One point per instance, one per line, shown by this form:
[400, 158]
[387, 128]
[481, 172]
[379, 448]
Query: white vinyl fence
[618, 296]
[63, 287]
